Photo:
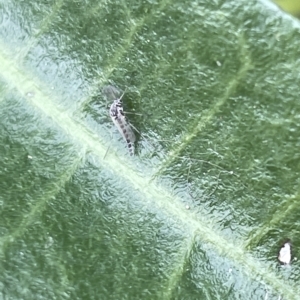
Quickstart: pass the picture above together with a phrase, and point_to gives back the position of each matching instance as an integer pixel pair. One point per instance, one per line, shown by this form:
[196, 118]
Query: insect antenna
[120, 99]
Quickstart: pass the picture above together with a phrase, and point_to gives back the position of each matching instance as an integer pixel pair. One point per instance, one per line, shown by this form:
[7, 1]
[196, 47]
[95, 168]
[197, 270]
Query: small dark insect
[119, 119]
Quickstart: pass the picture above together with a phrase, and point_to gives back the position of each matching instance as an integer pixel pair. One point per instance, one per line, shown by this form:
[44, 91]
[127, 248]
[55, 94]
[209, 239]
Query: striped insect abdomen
[119, 119]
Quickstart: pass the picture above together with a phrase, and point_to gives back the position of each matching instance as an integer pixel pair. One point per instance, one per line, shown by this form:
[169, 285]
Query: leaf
[201, 210]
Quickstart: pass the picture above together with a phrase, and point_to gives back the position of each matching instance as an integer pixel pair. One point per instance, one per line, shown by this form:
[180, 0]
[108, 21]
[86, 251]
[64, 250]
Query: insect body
[119, 119]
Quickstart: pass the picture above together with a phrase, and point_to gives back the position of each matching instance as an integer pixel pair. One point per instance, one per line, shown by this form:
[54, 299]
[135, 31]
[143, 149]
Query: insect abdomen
[119, 119]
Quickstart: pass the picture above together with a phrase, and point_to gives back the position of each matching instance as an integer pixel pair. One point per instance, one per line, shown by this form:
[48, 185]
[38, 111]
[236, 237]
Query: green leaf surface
[201, 210]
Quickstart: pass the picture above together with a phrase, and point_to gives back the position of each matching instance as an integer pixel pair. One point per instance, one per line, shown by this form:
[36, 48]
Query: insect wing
[111, 93]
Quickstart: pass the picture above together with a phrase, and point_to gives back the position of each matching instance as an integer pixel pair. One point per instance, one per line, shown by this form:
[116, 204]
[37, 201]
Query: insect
[118, 117]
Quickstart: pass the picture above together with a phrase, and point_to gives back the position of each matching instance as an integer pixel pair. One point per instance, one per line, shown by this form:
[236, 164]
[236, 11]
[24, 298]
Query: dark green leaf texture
[200, 211]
